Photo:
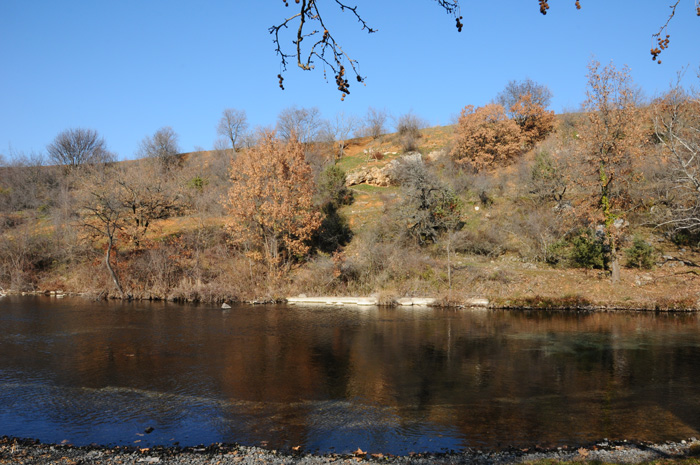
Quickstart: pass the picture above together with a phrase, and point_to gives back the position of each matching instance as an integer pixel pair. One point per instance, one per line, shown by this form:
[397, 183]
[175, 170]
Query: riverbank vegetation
[512, 203]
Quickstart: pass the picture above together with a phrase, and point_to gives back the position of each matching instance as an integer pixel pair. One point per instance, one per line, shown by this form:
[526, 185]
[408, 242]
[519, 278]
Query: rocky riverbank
[28, 451]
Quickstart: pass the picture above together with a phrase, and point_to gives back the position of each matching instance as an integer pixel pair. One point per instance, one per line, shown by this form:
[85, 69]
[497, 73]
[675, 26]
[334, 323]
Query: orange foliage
[486, 138]
[271, 214]
[612, 143]
[535, 122]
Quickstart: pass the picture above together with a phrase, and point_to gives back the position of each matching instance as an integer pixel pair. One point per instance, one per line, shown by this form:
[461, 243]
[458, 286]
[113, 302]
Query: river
[332, 379]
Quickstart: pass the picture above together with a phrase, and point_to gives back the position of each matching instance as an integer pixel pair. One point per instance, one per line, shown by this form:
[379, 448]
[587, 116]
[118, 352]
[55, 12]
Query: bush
[330, 187]
[587, 251]
[640, 255]
[334, 232]
[488, 242]
[408, 127]
[486, 138]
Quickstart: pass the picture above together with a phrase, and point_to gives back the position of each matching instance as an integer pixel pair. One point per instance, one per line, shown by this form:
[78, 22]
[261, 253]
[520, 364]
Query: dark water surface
[337, 378]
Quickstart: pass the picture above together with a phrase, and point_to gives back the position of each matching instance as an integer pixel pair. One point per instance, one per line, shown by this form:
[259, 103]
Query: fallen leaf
[378, 456]
[296, 448]
[359, 452]
[583, 452]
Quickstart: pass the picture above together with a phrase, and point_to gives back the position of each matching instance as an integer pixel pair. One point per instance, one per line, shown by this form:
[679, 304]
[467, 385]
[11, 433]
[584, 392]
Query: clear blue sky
[129, 67]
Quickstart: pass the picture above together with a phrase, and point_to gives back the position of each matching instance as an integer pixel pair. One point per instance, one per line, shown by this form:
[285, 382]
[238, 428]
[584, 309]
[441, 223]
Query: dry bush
[526, 102]
[318, 277]
[536, 231]
[546, 177]
[487, 241]
[23, 256]
[485, 138]
[408, 128]
[535, 122]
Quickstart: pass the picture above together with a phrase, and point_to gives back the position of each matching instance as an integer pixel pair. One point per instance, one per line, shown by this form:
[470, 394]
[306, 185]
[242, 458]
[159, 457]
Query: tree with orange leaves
[612, 141]
[486, 138]
[270, 206]
[534, 120]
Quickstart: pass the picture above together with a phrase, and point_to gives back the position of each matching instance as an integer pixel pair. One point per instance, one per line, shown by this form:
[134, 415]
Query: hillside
[513, 247]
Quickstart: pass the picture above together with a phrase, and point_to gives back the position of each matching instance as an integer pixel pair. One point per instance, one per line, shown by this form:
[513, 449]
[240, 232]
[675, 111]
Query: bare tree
[677, 128]
[78, 146]
[340, 129]
[304, 124]
[161, 146]
[375, 122]
[232, 125]
[146, 197]
[516, 90]
[102, 213]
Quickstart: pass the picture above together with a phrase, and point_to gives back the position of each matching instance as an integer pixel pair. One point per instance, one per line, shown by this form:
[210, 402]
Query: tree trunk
[615, 269]
[108, 263]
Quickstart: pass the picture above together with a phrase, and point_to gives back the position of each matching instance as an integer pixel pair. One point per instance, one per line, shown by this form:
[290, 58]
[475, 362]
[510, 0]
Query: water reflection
[385, 380]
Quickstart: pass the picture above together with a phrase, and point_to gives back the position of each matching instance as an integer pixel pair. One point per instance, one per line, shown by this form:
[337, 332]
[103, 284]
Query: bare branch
[326, 49]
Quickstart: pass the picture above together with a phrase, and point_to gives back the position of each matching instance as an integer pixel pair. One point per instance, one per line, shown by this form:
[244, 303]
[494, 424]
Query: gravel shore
[27, 451]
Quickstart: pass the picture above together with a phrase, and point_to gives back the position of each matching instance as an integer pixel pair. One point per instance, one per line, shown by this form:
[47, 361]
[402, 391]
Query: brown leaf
[583, 452]
[359, 452]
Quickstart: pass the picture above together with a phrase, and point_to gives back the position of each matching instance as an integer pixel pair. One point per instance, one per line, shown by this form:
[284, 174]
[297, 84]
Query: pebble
[26, 451]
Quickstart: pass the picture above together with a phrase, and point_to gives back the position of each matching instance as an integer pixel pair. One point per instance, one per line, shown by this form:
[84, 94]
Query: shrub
[330, 187]
[486, 138]
[428, 206]
[487, 242]
[640, 254]
[334, 232]
[587, 250]
[408, 127]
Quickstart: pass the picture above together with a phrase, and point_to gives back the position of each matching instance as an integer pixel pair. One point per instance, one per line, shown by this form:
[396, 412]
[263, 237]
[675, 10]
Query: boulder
[380, 176]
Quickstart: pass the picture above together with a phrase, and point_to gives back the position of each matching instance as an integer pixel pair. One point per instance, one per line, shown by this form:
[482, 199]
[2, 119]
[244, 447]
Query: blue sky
[129, 67]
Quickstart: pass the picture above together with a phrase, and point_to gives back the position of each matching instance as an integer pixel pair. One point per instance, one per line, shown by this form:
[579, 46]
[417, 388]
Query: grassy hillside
[515, 245]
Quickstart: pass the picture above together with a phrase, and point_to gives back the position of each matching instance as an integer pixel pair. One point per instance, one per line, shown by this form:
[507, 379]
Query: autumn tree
[612, 140]
[270, 206]
[78, 146]
[514, 91]
[486, 138]
[526, 103]
[677, 127]
[232, 125]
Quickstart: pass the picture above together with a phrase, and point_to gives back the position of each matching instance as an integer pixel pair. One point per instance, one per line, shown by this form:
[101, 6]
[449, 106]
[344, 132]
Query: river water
[332, 379]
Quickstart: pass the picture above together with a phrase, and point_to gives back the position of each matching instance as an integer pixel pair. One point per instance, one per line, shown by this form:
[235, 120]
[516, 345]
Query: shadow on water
[335, 379]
